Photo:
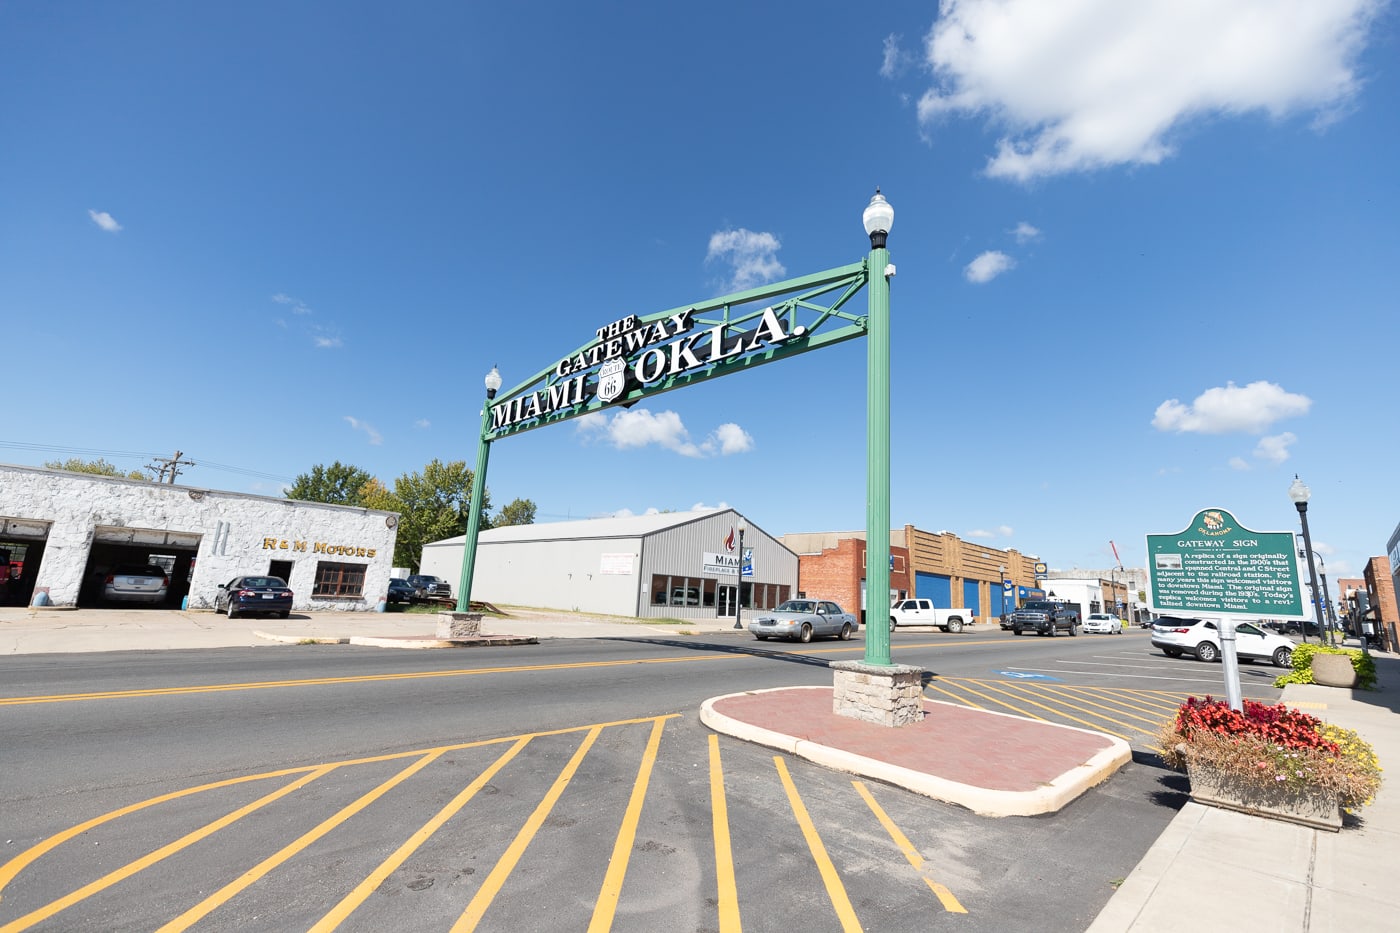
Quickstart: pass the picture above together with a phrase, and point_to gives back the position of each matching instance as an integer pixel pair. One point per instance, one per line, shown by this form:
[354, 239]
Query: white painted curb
[982, 801]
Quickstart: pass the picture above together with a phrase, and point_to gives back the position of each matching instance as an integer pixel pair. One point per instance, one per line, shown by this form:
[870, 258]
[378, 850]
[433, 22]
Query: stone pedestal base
[456, 625]
[886, 696]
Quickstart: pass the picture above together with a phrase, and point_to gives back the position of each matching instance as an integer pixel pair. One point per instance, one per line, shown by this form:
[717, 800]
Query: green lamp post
[878, 219]
[483, 452]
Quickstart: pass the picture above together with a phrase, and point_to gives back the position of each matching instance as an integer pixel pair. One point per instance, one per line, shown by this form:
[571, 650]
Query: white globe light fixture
[493, 382]
[878, 219]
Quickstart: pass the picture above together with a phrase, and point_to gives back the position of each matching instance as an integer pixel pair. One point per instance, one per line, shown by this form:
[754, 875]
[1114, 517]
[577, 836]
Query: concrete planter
[1333, 670]
[1314, 808]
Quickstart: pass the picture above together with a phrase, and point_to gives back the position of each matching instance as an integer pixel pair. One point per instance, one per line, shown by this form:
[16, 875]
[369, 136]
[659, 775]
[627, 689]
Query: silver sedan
[801, 619]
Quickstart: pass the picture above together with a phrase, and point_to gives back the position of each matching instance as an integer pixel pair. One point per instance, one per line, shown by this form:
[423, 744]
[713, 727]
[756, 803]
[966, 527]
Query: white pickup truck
[924, 612]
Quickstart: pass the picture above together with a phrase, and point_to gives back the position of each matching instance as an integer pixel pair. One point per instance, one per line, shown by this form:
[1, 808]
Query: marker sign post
[1216, 566]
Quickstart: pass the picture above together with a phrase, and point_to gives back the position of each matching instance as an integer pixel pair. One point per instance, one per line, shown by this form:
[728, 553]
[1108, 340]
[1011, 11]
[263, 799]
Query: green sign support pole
[483, 454]
[877, 443]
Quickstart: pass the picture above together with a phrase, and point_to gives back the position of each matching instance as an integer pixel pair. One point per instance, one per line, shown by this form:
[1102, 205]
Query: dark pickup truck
[1045, 618]
[427, 586]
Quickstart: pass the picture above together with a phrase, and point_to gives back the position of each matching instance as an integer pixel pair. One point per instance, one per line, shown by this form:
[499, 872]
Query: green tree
[435, 504]
[515, 512]
[99, 466]
[338, 484]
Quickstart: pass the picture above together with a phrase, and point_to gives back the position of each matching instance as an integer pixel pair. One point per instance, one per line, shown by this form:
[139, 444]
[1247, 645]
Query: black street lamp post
[1300, 494]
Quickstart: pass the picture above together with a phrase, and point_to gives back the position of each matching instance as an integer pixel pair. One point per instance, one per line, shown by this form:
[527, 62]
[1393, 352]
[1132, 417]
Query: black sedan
[254, 595]
[400, 591]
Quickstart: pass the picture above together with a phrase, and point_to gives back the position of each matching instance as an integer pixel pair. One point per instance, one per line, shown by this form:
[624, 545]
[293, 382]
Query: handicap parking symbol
[1027, 675]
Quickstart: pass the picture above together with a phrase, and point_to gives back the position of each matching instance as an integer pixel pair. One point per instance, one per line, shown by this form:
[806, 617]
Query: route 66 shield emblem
[612, 379]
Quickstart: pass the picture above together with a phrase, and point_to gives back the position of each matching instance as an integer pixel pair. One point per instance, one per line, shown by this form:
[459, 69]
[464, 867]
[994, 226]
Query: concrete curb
[980, 800]
[426, 641]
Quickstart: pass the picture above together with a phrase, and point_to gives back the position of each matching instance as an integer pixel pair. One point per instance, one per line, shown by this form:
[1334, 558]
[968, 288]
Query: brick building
[934, 565]
[1380, 589]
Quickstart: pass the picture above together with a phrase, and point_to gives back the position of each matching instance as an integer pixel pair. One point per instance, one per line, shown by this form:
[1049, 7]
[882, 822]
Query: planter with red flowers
[1270, 761]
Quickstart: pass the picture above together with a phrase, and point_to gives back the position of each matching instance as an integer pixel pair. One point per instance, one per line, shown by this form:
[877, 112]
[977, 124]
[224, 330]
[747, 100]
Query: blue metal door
[935, 587]
[970, 599]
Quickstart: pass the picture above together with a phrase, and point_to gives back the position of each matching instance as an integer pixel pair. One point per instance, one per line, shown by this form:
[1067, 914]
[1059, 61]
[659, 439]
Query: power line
[138, 454]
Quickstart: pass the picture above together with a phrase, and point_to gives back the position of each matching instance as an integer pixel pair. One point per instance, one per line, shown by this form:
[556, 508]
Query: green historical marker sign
[1216, 565]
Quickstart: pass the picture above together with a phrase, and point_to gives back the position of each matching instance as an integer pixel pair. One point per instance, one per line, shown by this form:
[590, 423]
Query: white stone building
[672, 564]
[61, 532]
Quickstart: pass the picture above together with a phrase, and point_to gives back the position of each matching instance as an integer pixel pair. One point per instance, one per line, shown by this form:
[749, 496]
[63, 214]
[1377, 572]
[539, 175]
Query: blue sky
[1147, 253]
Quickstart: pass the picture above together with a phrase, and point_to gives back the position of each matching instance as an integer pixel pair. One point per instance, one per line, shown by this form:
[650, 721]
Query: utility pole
[169, 465]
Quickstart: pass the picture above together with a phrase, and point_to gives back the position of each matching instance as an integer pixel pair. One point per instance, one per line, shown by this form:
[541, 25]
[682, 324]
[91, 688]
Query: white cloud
[105, 220]
[1275, 448]
[1001, 531]
[628, 430]
[895, 59]
[1239, 463]
[422, 423]
[374, 436]
[752, 256]
[732, 439]
[327, 343]
[296, 304]
[988, 266]
[1084, 84]
[1024, 233]
[1231, 409]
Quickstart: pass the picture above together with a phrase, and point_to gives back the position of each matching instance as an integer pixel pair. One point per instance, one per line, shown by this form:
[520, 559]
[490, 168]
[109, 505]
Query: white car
[801, 619]
[1200, 637]
[1101, 623]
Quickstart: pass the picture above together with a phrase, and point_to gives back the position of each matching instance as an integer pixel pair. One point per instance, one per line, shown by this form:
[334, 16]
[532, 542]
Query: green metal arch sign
[639, 356]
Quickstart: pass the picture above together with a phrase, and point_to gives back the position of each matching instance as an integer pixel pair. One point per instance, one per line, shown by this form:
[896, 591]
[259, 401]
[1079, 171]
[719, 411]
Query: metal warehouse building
[61, 533]
[673, 564]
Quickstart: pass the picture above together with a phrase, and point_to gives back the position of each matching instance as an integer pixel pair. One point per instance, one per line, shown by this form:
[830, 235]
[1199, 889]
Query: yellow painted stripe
[502, 869]
[14, 866]
[11, 869]
[228, 891]
[1019, 711]
[834, 888]
[728, 894]
[1052, 692]
[1050, 709]
[151, 858]
[913, 855]
[337, 914]
[606, 907]
[332, 681]
[417, 675]
[956, 697]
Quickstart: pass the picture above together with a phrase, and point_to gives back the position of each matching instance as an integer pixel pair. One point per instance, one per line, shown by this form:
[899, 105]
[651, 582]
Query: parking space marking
[727, 888]
[269, 860]
[206, 906]
[506, 864]
[945, 897]
[834, 888]
[606, 907]
[1033, 690]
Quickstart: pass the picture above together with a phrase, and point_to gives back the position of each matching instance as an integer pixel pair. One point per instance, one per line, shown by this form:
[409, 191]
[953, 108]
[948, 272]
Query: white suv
[1201, 638]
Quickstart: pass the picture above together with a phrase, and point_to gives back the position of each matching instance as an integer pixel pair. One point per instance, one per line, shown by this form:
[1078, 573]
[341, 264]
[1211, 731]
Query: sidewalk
[1216, 869]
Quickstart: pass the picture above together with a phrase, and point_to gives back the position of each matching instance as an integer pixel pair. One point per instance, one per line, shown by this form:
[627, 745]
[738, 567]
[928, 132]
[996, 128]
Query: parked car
[801, 620]
[1101, 623]
[1201, 638]
[399, 591]
[427, 586]
[254, 595]
[136, 584]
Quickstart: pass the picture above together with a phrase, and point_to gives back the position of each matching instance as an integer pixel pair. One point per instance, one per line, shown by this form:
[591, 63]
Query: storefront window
[339, 579]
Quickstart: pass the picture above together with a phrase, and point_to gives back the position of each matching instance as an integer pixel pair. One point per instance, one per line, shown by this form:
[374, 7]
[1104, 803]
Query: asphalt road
[554, 786]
